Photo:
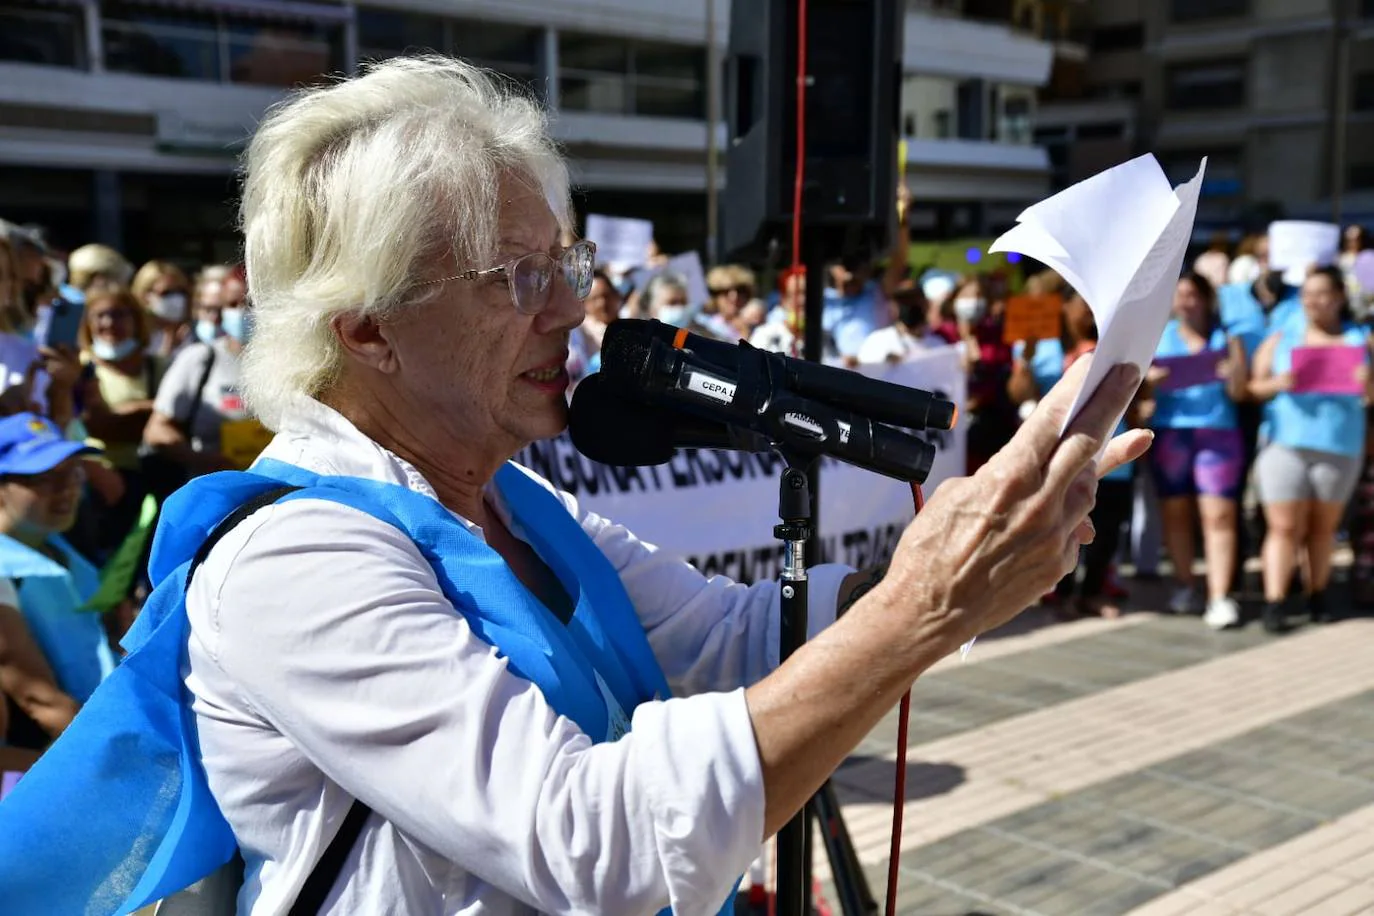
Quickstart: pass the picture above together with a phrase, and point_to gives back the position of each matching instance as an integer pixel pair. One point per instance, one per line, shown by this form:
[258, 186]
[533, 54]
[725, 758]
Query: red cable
[798, 177]
[899, 787]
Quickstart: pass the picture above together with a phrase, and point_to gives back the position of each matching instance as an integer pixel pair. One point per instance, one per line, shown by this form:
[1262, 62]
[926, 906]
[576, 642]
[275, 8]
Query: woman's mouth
[544, 375]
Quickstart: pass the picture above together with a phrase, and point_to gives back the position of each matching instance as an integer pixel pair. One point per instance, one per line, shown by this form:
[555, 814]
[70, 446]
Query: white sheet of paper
[1119, 239]
[621, 242]
[1295, 245]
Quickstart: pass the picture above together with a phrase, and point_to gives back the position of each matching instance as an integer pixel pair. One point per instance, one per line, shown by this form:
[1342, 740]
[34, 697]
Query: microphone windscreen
[625, 351]
[610, 429]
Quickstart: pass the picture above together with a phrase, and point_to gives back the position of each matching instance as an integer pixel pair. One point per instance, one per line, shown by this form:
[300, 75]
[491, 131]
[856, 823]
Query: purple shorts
[1198, 462]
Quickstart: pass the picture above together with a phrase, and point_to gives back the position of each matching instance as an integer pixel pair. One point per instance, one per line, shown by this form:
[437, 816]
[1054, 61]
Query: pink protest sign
[1328, 370]
[1187, 371]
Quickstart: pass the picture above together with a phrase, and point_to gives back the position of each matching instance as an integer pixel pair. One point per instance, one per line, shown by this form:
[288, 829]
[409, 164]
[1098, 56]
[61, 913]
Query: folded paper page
[1118, 238]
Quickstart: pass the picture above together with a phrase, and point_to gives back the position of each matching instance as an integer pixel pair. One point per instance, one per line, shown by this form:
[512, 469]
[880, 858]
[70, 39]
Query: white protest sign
[688, 265]
[1296, 245]
[621, 242]
[717, 509]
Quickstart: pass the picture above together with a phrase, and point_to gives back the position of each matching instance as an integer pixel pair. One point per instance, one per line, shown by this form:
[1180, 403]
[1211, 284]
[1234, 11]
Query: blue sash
[117, 814]
[51, 596]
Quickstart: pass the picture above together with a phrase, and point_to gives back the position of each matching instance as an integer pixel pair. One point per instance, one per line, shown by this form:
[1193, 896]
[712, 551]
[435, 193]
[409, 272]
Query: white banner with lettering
[718, 508]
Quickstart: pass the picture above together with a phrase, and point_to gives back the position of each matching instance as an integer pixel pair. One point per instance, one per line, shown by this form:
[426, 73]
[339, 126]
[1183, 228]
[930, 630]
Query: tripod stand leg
[851, 887]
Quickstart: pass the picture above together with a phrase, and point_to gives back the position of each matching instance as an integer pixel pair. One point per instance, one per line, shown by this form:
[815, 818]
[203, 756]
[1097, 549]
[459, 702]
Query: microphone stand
[794, 839]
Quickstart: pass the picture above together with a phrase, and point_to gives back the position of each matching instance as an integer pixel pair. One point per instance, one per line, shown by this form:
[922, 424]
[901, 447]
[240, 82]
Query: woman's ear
[366, 340]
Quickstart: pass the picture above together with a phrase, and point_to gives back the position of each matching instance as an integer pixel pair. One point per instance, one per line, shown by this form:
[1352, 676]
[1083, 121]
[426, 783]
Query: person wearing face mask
[162, 289]
[906, 336]
[53, 655]
[119, 381]
[988, 362]
[670, 302]
[198, 422]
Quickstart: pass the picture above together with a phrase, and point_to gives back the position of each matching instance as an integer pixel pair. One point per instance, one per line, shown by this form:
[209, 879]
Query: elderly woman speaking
[517, 705]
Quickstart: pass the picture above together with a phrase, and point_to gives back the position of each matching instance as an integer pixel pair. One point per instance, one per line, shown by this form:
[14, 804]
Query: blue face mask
[206, 331]
[237, 323]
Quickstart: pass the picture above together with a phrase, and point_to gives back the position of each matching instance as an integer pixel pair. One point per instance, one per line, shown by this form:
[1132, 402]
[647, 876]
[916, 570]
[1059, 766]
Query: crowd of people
[1243, 466]
[119, 386]
[100, 428]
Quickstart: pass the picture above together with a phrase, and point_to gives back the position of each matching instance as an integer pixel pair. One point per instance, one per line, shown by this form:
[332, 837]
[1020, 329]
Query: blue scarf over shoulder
[118, 814]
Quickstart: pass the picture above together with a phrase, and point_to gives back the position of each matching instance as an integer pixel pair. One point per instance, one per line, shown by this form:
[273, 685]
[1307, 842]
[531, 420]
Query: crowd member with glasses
[500, 702]
[52, 653]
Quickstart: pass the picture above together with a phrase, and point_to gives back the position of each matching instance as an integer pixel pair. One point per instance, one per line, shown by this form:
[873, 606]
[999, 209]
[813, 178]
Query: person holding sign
[1190, 397]
[1314, 372]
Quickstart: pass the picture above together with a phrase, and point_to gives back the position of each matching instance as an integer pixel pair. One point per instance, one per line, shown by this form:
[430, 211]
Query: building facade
[121, 120]
[1277, 94]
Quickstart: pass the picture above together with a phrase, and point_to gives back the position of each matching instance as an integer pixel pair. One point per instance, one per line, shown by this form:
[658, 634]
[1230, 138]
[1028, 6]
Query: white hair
[357, 192]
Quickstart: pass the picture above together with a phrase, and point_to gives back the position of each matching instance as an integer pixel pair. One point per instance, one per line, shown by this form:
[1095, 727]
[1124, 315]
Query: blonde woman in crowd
[162, 289]
[732, 289]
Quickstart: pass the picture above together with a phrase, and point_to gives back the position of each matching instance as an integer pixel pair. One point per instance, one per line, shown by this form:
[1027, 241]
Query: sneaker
[1222, 613]
[1184, 601]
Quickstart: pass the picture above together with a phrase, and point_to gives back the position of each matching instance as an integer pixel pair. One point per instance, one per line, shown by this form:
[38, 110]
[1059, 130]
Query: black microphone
[610, 429]
[884, 402]
[649, 370]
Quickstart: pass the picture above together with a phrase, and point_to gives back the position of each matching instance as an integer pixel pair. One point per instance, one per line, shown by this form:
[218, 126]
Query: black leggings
[1113, 508]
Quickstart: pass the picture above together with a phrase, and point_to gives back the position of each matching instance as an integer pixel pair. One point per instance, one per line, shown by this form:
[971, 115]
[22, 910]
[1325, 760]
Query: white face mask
[676, 315]
[112, 352]
[970, 309]
[169, 306]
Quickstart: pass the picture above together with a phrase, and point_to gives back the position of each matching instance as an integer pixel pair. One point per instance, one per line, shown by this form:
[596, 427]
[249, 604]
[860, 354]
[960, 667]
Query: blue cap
[30, 444]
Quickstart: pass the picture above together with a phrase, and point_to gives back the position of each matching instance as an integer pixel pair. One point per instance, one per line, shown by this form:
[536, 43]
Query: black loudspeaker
[854, 67]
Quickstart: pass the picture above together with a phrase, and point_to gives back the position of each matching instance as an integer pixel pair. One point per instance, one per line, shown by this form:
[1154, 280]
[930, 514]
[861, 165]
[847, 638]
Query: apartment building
[1278, 94]
[121, 120]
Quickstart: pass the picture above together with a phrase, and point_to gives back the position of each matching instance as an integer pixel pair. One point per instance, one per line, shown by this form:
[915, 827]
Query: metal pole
[712, 127]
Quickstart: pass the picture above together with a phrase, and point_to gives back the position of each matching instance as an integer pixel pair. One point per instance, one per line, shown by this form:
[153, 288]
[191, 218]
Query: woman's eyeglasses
[530, 276]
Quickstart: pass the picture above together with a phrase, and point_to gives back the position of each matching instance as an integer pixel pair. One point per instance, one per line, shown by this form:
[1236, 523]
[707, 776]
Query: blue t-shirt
[850, 319]
[1322, 422]
[1047, 365]
[1205, 406]
[1245, 319]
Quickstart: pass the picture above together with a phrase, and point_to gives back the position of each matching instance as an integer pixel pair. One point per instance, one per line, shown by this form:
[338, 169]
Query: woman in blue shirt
[1308, 469]
[1198, 456]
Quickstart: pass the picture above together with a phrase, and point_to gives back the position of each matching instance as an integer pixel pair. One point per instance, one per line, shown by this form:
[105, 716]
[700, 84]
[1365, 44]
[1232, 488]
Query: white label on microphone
[709, 386]
[844, 432]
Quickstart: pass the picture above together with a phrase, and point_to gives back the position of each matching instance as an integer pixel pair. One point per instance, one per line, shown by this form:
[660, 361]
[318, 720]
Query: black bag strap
[188, 425]
[327, 869]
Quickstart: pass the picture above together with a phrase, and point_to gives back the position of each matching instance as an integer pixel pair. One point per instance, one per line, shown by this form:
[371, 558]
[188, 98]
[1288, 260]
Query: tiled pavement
[1143, 766]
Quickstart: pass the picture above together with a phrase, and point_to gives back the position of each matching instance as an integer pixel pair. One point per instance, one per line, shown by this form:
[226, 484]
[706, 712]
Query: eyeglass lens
[533, 277]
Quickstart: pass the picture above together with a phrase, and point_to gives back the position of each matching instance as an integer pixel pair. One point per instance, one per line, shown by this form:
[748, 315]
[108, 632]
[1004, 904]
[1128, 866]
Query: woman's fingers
[1125, 448]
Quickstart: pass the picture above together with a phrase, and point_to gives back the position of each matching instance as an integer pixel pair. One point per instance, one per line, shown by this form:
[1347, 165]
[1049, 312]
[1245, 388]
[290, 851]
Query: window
[217, 47]
[1203, 86]
[1225, 172]
[510, 49]
[1129, 37]
[1201, 10]
[33, 33]
[616, 76]
[1361, 177]
[1362, 98]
